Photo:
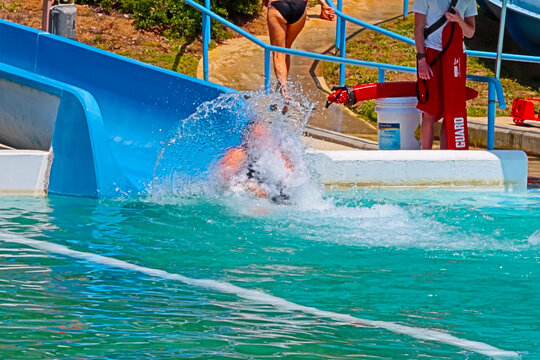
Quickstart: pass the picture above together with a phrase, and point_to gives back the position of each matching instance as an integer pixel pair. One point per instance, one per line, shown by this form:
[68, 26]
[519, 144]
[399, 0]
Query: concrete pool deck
[24, 171]
[508, 135]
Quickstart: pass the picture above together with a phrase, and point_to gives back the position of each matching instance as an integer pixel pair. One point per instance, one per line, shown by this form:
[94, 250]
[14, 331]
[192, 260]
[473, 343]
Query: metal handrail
[494, 85]
[271, 48]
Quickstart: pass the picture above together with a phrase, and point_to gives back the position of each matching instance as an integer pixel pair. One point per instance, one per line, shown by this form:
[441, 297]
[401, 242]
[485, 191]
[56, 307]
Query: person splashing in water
[259, 165]
[286, 18]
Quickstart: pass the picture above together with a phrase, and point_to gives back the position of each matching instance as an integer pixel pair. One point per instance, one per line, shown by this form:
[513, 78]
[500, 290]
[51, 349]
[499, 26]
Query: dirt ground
[94, 27]
[113, 31]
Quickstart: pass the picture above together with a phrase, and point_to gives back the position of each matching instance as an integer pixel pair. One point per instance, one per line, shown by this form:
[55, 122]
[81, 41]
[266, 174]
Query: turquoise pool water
[382, 274]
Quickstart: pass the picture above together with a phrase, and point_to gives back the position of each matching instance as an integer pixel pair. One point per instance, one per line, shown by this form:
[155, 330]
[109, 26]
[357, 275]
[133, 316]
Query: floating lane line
[261, 297]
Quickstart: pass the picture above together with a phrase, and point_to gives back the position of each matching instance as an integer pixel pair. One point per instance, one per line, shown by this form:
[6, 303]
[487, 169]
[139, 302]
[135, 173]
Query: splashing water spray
[260, 132]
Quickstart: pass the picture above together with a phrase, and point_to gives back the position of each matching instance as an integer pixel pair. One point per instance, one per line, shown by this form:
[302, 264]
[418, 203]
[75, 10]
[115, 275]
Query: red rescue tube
[454, 70]
[350, 95]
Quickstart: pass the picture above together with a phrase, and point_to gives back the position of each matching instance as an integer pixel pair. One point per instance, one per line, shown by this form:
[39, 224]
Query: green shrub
[367, 111]
[175, 18]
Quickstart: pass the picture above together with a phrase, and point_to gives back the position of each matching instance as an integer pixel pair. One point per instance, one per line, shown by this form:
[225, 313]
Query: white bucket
[397, 121]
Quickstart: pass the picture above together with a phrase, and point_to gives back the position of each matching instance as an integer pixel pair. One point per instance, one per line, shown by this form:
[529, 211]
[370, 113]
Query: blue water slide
[488, 10]
[114, 114]
[522, 21]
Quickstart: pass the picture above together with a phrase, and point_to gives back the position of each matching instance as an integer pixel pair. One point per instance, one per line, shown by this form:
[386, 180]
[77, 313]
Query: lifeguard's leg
[426, 130]
[277, 29]
[443, 139]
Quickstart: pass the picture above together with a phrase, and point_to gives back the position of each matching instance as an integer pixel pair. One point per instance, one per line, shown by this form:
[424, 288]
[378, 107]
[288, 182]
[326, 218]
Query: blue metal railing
[405, 8]
[206, 30]
[270, 48]
[494, 86]
[480, 54]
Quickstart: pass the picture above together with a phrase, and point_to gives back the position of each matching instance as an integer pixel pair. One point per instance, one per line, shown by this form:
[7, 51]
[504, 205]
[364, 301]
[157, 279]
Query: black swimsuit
[291, 10]
[253, 174]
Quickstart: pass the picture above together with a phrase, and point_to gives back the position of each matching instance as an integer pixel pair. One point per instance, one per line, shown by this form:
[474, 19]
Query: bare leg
[444, 145]
[426, 130]
[283, 35]
[292, 33]
[277, 29]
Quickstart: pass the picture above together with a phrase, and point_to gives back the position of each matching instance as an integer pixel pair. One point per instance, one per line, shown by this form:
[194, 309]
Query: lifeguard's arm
[424, 71]
[468, 25]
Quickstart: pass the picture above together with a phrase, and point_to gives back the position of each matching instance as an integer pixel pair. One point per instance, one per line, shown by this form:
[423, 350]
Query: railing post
[381, 75]
[46, 10]
[342, 52]
[267, 74]
[405, 9]
[492, 97]
[502, 23]
[206, 30]
[338, 24]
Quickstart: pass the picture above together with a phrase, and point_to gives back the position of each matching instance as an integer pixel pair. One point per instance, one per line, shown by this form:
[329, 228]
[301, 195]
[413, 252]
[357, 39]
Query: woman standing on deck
[286, 18]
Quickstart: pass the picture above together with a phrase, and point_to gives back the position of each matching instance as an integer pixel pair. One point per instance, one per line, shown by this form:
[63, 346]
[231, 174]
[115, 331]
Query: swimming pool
[356, 273]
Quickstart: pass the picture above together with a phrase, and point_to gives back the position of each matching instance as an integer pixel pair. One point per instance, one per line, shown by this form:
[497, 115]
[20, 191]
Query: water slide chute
[108, 117]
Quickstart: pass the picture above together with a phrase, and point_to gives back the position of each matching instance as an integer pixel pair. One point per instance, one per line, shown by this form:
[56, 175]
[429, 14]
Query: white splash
[534, 239]
[216, 127]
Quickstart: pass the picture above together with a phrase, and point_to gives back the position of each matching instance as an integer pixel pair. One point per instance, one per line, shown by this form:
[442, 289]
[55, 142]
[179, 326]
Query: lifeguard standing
[439, 28]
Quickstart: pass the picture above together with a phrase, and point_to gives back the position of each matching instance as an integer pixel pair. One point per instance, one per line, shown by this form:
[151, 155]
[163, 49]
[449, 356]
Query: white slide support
[24, 171]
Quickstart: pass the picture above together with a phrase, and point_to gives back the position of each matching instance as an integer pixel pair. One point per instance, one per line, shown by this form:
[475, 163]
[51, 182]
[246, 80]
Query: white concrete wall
[24, 171]
[503, 168]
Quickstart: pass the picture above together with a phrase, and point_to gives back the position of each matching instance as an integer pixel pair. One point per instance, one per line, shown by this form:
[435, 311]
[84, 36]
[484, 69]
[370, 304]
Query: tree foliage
[175, 18]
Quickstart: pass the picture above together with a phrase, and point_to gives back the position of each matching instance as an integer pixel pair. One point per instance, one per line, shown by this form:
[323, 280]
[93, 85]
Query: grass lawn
[517, 79]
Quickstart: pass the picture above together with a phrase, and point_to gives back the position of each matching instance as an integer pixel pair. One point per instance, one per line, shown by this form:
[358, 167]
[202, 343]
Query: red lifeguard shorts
[431, 91]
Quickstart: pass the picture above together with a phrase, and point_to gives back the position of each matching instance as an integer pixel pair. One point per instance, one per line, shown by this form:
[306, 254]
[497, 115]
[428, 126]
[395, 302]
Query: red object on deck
[350, 95]
[523, 109]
